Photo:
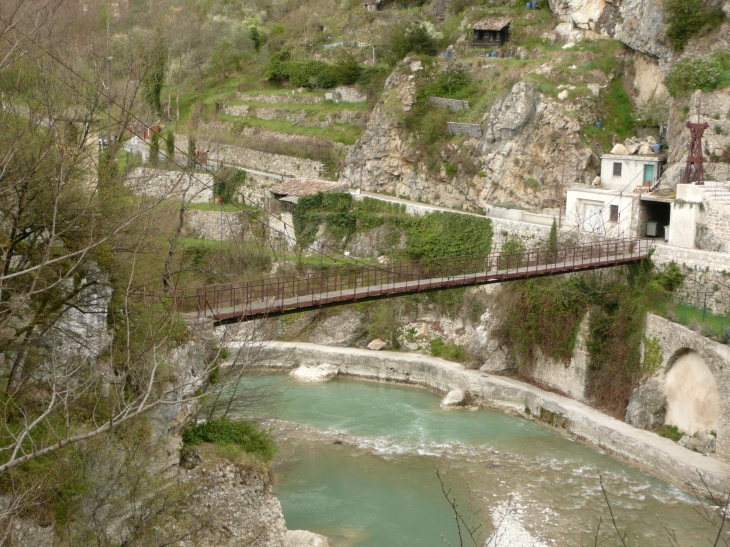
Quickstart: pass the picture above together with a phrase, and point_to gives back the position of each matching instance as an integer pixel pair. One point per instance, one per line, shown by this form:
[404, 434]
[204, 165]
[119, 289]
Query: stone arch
[693, 398]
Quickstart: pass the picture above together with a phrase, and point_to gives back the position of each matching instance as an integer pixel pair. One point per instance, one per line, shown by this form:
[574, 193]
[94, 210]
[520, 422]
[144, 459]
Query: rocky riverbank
[643, 449]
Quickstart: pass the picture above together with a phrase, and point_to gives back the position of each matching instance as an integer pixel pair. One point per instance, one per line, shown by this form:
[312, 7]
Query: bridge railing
[314, 288]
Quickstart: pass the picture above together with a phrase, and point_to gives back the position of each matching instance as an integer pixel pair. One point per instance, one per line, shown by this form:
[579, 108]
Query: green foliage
[244, 435]
[450, 352]
[277, 70]
[346, 68]
[669, 432]
[170, 145]
[334, 209]
[154, 78]
[545, 313]
[226, 183]
[655, 113]
[420, 38]
[311, 74]
[441, 234]
[692, 73]
[686, 18]
[511, 253]
[155, 148]
[192, 153]
[447, 82]
[553, 241]
[652, 356]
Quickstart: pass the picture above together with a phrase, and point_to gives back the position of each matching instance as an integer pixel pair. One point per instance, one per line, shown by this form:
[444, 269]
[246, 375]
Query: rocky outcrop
[529, 147]
[342, 329]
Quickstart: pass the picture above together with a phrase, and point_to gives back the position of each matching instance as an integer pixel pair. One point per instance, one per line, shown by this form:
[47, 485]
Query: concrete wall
[632, 171]
[571, 377]
[648, 402]
[684, 215]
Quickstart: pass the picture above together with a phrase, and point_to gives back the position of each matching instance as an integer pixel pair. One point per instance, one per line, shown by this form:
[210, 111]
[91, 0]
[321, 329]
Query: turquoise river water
[363, 473]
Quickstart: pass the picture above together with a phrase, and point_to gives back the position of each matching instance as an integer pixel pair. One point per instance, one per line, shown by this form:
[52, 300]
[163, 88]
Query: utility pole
[694, 168]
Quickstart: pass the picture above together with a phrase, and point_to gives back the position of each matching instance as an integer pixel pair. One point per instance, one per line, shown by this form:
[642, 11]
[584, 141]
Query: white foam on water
[509, 530]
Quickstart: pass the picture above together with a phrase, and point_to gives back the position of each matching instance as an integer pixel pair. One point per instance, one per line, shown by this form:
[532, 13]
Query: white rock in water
[509, 530]
[377, 344]
[453, 398]
[620, 150]
[304, 538]
[319, 373]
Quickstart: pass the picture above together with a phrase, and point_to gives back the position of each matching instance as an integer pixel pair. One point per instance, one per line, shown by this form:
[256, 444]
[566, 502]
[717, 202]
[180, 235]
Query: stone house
[491, 32]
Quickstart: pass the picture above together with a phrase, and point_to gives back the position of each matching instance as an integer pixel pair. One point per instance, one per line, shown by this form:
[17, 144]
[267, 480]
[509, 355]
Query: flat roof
[492, 23]
[642, 157]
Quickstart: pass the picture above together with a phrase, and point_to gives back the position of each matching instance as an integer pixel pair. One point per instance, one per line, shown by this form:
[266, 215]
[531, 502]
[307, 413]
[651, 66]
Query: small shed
[491, 32]
[284, 196]
[372, 5]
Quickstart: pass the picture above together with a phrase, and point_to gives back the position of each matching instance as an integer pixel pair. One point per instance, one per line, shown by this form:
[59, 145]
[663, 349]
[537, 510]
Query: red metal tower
[694, 170]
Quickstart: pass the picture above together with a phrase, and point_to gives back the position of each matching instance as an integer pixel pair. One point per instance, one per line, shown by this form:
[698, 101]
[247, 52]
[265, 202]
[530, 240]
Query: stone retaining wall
[646, 450]
[452, 104]
[293, 98]
[705, 272]
[269, 163]
[295, 116]
[215, 225]
[713, 225]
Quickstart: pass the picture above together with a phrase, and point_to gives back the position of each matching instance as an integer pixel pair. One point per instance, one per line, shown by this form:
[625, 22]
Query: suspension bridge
[278, 295]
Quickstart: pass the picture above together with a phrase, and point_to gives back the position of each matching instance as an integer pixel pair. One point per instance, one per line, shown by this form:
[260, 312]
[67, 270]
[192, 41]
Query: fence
[302, 291]
[471, 129]
[454, 105]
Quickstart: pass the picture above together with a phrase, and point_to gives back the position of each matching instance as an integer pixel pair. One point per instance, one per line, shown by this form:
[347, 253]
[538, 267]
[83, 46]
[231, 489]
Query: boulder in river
[454, 398]
[315, 373]
[304, 538]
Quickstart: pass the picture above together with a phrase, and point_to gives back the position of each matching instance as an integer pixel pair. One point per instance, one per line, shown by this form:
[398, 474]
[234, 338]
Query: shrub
[227, 182]
[655, 113]
[669, 431]
[449, 352]
[346, 68]
[311, 74]
[725, 336]
[277, 71]
[244, 435]
[690, 74]
[421, 38]
[685, 18]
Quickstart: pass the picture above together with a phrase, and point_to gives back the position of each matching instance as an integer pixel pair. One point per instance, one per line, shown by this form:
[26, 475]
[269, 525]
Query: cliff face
[529, 147]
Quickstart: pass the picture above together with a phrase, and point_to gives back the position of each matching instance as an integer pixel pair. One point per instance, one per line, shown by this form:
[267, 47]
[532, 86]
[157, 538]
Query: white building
[625, 173]
[601, 212]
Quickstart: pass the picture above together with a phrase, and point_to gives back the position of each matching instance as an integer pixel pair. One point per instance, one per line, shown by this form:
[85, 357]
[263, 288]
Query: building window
[614, 213]
[617, 169]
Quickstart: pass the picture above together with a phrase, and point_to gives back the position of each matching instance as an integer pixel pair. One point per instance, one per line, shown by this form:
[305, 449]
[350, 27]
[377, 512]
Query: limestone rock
[569, 45]
[645, 149]
[632, 144]
[646, 405]
[620, 149]
[568, 33]
[454, 398]
[703, 442]
[304, 538]
[563, 95]
[377, 345]
[512, 113]
[495, 362]
[315, 373]
[340, 330]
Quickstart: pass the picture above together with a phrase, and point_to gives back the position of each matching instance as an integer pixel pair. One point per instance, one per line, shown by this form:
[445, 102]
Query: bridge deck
[284, 294]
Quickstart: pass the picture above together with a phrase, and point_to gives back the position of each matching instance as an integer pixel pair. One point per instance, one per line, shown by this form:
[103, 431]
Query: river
[361, 471]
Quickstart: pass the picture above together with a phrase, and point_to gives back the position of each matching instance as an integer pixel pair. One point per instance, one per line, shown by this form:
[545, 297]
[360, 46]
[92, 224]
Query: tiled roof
[492, 23]
[305, 187]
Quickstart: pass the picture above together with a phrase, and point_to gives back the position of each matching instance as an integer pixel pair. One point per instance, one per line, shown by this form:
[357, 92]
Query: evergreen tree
[155, 148]
[553, 242]
[192, 150]
[170, 146]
